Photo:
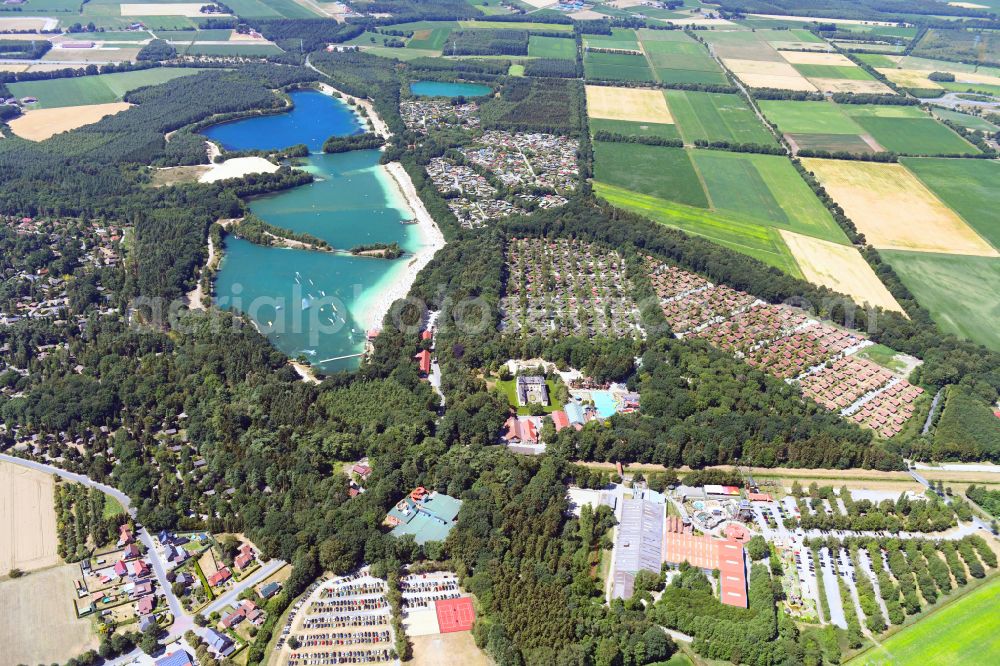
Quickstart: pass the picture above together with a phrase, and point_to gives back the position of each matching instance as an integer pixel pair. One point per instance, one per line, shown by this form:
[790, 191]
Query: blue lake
[448, 89]
[314, 118]
[317, 305]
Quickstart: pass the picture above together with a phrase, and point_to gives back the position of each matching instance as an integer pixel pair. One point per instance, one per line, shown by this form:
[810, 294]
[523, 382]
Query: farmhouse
[532, 389]
[428, 516]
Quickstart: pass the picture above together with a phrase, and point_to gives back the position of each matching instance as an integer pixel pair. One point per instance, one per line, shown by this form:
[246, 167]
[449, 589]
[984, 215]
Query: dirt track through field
[28, 538]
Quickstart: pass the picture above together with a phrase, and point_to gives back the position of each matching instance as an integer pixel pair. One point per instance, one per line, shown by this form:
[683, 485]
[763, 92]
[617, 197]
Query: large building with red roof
[680, 544]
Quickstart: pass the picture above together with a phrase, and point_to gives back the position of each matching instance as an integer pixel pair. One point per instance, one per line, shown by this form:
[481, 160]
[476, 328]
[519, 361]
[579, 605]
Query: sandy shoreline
[375, 124]
[431, 240]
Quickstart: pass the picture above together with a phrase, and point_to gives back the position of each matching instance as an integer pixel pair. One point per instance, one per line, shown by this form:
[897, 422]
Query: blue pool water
[448, 89]
[314, 118]
[605, 404]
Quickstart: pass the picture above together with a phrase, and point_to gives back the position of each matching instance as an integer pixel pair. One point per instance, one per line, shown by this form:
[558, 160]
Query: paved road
[254, 578]
[866, 564]
[951, 100]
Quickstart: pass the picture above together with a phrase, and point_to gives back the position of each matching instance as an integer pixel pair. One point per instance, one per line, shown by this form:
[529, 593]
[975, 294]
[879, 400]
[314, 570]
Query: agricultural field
[964, 631]
[863, 128]
[630, 111]
[39, 618]
[676, 58]
[233, 49]
[665, 173]
[716, 117]
[959, 291]
[969, 187]
[551, 47]
[99, 89]
[41, 124]
[841, 268]
[28, 538]
[895, 210]
[620, 38]
[966, 120]
[501, 25]
[616, 67]
[833, 72]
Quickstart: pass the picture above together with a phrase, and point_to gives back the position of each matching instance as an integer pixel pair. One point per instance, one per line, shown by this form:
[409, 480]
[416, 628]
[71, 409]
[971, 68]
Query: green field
[616, 67]
[193, 35]
[876, 60]
[677, 58]
[116, 36]
[960, 292]
[501, 25]
[234, 49]
[665, 173]
[632, 128]
[716, 117]
[429, 38]
[552, 47]
[920, 136]
[766, 189]
[965, 631]
[253, 9]
[851, 72]
[901, 129]
[754, 240]
[620, 38]
[969, 187]
[99, 89]
[967, 121]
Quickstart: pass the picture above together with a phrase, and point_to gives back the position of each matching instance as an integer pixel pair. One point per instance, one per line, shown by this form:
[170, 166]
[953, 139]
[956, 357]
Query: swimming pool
[605, 404]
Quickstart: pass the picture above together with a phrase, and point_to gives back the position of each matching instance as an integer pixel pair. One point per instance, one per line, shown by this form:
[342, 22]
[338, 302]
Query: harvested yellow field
[28, 538]
[768, 74]
[39, 624]
[816, 58]
[894, 210]
[841, 268]
[8, 67]
[967, 5]
[908, 78]
[40, 124]
[190, 9]
[970, 77]
[101, 55]
[637, 104]
[26, 23]
[852, 86]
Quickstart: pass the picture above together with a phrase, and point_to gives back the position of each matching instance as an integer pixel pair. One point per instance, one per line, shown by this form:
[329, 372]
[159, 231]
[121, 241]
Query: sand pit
[637, 104]
[453, 648]
[839, 267]
[816, 58]
[40, 124]
[28, 538]
[237, 168]
[39, 618]
[894, 210]
[852, 86]
[189, 9]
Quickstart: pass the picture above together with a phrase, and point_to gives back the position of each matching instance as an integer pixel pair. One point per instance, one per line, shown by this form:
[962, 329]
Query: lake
[448, 89]
[316, 305]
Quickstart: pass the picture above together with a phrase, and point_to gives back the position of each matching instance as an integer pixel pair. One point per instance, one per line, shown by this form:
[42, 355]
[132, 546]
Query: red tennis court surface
[455, 614]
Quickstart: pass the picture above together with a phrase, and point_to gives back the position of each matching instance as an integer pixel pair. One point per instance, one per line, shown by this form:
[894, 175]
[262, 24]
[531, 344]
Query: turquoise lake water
[315, 303]
[314, 119]
[448, 89]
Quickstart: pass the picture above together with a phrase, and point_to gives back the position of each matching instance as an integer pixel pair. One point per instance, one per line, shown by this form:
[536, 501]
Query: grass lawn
[960, 292]
[716, 117]
[965, 631]
[969, 187]
[748, 237]
[633, 128]
[509, 390]
[665, 173]
[882, 355]
[766, 187]
[112, 507]
[552, 47]
[516, 70]
[99, 89]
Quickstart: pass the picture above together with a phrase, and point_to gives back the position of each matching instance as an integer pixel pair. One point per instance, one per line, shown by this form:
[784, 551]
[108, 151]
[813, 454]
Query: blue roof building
[179, 658]
[574, 412]
[426, 516]
[219, 642]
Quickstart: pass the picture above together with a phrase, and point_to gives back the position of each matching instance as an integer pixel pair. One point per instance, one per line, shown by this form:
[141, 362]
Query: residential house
[140, 569]
[120, 568]
[124, 535]
[424, 362]
[221, 643]
[146, 605]
[220, 577]
[269, 590]
[179, 658]
[131, 552]
[246, 556]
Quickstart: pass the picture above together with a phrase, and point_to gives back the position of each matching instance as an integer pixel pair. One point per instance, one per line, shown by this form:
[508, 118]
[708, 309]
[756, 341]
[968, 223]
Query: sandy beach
[375, 123]
[431, 240]
[237, 167]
